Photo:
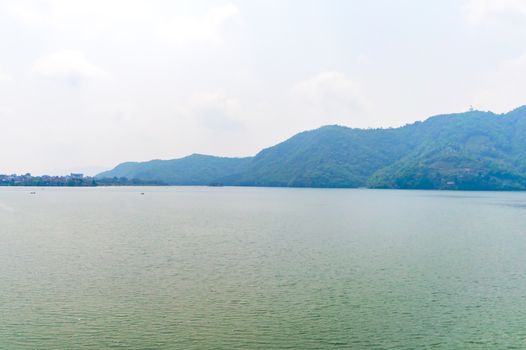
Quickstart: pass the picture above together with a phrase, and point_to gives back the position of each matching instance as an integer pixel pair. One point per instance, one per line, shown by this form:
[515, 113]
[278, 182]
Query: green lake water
[261, 268]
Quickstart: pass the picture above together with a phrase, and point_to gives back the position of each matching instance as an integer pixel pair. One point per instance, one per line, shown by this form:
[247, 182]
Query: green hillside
[465, 151]
[332, 156]
[468, 151]
[196, 169]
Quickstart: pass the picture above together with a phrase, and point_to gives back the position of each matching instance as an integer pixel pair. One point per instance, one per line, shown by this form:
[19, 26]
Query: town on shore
[71, 180]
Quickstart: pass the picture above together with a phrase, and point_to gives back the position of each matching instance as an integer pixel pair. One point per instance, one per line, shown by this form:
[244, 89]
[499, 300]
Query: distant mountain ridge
[474, 150]
[196, 169]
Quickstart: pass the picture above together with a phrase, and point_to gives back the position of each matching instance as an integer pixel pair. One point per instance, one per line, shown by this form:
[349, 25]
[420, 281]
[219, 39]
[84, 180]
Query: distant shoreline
[272, 187]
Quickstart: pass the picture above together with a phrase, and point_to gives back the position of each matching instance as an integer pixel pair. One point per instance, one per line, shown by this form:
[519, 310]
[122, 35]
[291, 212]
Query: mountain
[196, 169]
[332, 156]
[465, 151]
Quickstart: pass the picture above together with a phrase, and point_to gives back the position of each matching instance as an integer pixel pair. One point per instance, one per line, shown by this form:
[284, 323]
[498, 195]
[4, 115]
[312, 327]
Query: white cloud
[206, 28]
[215, 111]
[68, 65]
[331, 95]
[479, 11]
[163, 20]
[502, 88]
[67, 13]
[29, 13]
[4, 76]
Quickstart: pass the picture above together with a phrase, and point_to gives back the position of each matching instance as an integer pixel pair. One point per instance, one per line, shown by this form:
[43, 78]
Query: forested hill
[196, 169]
[472, 151]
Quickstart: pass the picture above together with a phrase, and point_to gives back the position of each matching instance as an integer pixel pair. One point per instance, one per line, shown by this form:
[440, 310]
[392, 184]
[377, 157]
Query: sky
[85, 85]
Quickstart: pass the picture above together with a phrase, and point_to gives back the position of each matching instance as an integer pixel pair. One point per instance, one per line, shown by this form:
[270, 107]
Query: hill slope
[196, 169]
[468, 151]
[473, 151]
[332, 156]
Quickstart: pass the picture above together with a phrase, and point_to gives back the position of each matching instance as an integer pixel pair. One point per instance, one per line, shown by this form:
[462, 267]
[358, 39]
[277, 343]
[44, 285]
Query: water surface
[261, 268]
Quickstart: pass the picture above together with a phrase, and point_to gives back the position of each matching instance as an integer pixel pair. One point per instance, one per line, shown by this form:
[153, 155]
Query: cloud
[206, 28]
[155, 19]
[331, 95]
[67, 65]
[4, 76]
[502, 88]
[480, 11]
[215, 111]
[28, 13]
[66, 13]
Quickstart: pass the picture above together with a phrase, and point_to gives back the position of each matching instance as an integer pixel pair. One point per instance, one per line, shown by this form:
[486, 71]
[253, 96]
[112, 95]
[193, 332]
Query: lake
[261, 268]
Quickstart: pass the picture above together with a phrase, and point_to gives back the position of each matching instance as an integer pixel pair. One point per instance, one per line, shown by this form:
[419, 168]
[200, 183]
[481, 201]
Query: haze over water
[261, 268]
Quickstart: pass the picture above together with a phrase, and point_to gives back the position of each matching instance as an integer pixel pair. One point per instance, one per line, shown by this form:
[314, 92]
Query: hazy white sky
[85, 85]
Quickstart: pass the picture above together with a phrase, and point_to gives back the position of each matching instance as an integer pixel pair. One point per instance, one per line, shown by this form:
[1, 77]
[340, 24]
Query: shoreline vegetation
[90, 181]
[73, 180]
